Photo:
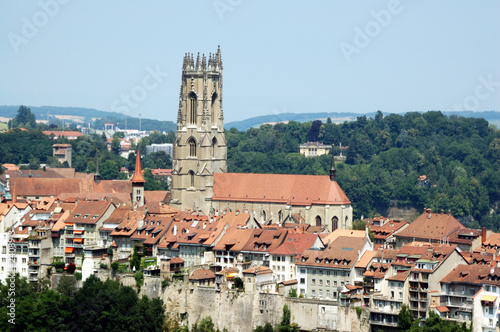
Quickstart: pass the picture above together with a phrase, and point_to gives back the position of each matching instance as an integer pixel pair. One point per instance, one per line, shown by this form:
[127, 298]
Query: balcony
[383, 322]
[33, 246]
[35, 263]
[33, 278]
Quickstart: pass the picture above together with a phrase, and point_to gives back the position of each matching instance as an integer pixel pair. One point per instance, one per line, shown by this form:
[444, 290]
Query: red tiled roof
[294, 244]
[258, 270]
[443, 309]
[280, 188]
[434, 226]
[88, 212]
[341, 254]
[365, 259]
[62, 133]
[399, 276]
[202, 274]
[472, 274]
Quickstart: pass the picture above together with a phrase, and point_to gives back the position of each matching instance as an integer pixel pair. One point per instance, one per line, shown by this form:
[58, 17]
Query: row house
[228, 250]
[383, 230]
[284, 257]
[122, 243]
[148, 236]
[82, 228]
[470, 293]
[438, 228]
[323, 274]
[261, 242]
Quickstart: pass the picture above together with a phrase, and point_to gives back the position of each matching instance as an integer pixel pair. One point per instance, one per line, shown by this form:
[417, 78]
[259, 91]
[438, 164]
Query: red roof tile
[283, 188]
[202, 274]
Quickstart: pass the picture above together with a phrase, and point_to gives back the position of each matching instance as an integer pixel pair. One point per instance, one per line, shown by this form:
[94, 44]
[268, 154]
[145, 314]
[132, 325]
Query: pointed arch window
[214, 147]
[335, 223]
[192, 108]
[191, 178]
[214, 102]
[318, 221]
[192, 147]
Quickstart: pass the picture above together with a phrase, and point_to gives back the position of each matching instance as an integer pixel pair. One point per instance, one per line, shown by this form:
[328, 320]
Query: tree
[24, 118]
[267, 328]
[405, 318]
[135, 262]
[34, 163]
[238, 283]
[286, 325]
[313, 133]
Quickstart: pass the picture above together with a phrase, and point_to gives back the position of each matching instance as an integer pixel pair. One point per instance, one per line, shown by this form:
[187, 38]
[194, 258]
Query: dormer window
[304, 259]
[327, 261]
[86, 216]
[256, 246]
[95, 216]
[77, 215]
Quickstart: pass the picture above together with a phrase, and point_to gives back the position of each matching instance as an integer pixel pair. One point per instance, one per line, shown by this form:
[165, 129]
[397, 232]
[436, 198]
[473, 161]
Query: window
[335, 283]
[318, 221]
[320, 293]
[328, 282]
[192, 147]
[313, 281]
[192, 108]
[191, 178]
[313, 293]
[320, 282]
[4, 250]
[335, 223]
[327, 294]
[302, 280]
[302, 270]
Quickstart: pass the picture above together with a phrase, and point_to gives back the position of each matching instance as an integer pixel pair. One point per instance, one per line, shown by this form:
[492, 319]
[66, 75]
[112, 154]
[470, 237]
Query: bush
[71, 268]
[58, 265]
[104, 266]
[139, 280]
[115, 266]
[238, 283]
[359, 310]
[292, 292]
[165, 283]
[78, 276]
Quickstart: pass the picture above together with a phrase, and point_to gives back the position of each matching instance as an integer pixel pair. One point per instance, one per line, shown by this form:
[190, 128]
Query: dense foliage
[97, 306]
[384, 159]
[433, 322]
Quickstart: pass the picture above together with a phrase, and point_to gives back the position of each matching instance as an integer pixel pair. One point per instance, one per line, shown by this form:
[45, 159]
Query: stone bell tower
[200, 147]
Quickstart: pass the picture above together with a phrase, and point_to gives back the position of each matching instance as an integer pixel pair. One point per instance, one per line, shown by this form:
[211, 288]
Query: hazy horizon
[279, 57]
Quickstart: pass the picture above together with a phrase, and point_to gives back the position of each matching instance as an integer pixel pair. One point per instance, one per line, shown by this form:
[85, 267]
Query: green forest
[385, 156]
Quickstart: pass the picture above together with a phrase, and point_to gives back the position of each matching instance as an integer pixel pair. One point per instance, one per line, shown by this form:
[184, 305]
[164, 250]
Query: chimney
[492, 267]
[483, 235]
[429, 214]
[174, 230]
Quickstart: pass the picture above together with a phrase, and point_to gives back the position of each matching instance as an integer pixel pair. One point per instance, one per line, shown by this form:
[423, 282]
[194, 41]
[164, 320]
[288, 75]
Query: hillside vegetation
[459, 156]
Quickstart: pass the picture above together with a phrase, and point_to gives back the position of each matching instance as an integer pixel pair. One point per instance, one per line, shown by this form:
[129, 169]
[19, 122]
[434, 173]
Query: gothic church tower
[200, 147]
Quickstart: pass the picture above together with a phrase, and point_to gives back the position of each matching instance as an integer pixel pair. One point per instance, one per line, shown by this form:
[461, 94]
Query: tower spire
[97, 176]
[332, 169]
[138, 177]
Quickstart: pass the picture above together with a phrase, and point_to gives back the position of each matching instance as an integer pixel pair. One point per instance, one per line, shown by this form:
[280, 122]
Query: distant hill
[84, 116]
[492, 117]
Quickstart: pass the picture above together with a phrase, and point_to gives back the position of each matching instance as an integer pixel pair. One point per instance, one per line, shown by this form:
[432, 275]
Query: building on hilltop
[200, 181]
[313, 149]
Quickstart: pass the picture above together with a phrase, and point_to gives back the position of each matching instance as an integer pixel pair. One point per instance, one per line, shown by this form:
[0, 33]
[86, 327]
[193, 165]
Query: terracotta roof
[472, 274]
[258, 270]
[289, 282]
[434, 226]
[365, 259]
[155, 197]
[176, 260]
[62, 133]
[492, 241]
[153, 229]
[341, 254]
[88, 212]
[400, 276]
[137, 177]
[294, 244]
[128, 224]
[331, 237]
[382, 232]
[161, 209]
[235, 219]
[389, 254]
[202, 274]
[60, 223]
[234, 239]
[280, 188]
[377, 270]
[442, 309]
[263, 240]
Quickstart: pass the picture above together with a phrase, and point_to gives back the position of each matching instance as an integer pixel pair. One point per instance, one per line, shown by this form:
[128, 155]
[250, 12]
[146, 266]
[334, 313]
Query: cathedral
[200, 181]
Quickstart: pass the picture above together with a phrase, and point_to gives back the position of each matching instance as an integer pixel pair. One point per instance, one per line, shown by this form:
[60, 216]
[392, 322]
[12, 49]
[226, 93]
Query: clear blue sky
[279, 56]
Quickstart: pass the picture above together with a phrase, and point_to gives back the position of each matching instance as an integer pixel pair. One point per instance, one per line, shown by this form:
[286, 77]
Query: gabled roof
[259, 270]
[341, 254]
[263, 240]
[88, 212]
[202, 274]
[234, 239]
[365, 259]
[235, 219]
[434, 226]
[302, 190]
[377, 270]
[295, 244]
[473, 274]
[390, 227]
[153, 229]
[331, 237]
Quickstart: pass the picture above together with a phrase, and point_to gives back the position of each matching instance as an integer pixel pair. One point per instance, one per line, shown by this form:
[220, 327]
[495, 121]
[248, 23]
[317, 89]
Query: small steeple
[332, 169]
[138, 177]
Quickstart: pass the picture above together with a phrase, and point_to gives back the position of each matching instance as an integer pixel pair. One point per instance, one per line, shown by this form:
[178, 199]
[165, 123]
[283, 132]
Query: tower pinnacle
[332, 169]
